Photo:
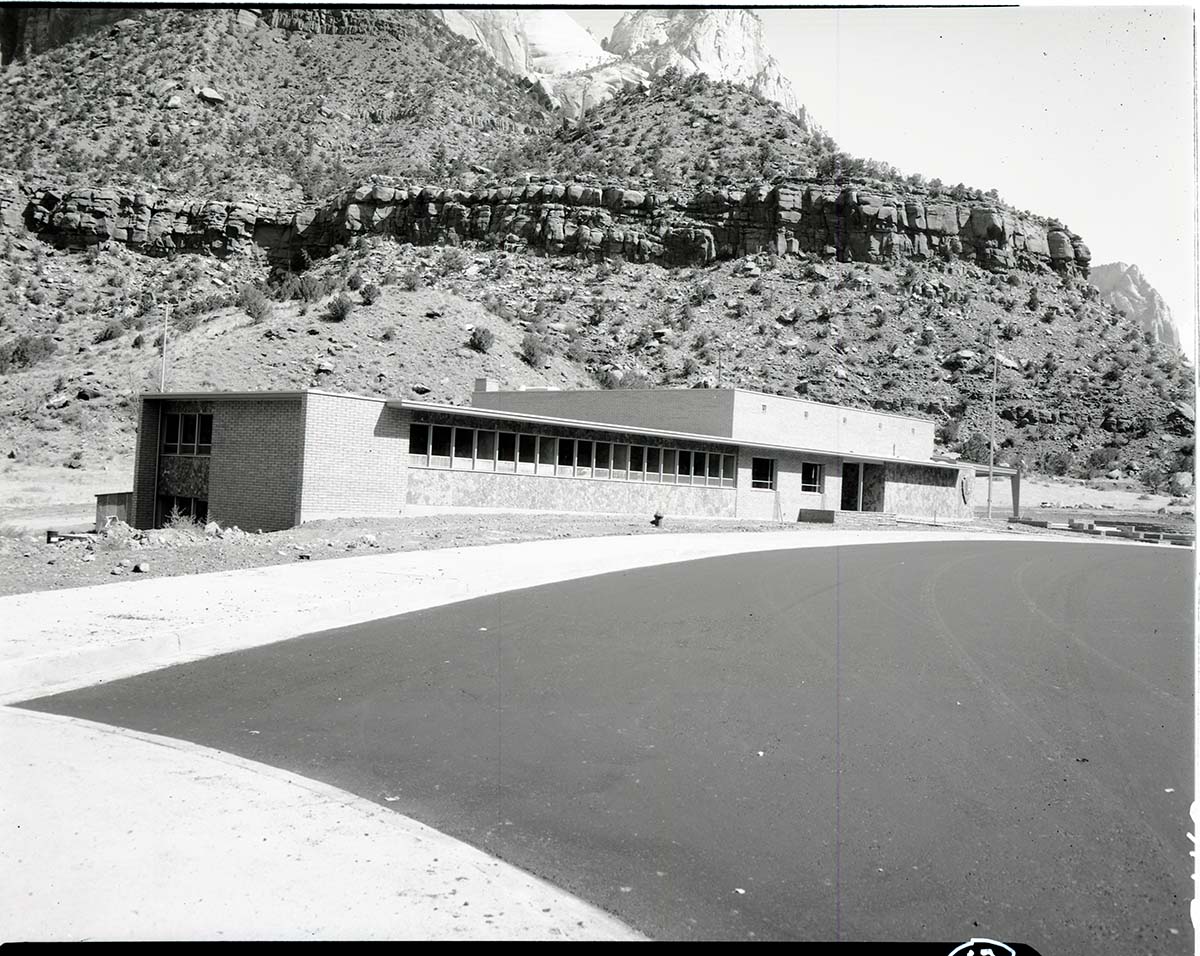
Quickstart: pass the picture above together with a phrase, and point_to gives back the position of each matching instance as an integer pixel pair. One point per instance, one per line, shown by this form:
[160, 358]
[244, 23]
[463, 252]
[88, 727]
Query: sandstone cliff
[1124, 287]
[849, 224]
[27, 31]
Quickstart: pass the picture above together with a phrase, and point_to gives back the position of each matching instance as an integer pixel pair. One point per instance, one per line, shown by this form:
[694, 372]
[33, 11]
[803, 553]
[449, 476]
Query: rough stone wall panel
[927, 492]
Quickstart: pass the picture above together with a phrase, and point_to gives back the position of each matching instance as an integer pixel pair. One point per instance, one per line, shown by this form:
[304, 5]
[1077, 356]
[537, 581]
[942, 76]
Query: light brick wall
[145, 464]
[756, 503]
[355, 458]
[257, 461]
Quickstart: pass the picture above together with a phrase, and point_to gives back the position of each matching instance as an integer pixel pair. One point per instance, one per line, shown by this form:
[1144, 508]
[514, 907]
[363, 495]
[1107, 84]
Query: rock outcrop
[850, 224]
[28, 30]
[1124, 287]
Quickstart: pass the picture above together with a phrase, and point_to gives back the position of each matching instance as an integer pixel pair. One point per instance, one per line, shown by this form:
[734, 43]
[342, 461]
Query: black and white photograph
[596, 472]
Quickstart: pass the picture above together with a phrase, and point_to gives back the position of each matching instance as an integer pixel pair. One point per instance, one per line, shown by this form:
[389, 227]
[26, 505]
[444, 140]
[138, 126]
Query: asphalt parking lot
[931, 740]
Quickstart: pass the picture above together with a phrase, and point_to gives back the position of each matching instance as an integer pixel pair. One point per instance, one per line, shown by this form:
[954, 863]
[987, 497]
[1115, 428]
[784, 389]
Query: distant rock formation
[28, 30]
[726, 44]
[793, 217]
[1124, 287]
[553, 51]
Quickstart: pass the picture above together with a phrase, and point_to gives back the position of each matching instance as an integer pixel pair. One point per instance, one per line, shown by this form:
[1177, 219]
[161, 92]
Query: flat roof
[262, 396]
[495, 414]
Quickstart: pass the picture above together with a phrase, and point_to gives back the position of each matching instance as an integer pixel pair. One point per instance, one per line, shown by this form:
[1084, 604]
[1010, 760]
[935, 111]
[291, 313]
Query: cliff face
[848, 224]
[1124, 287]
[27, 31]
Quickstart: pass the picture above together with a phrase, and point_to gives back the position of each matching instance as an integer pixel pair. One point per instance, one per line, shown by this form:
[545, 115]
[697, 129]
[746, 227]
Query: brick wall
[257, 461]
[145, 464]
[757, 503]
[355, 458]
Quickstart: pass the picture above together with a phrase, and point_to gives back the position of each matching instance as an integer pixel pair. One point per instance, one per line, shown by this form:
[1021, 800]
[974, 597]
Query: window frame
[763, 484]
[810, 488]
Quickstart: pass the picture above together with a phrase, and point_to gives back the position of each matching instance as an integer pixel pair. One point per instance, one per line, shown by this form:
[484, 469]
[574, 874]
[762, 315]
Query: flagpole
[162, 377]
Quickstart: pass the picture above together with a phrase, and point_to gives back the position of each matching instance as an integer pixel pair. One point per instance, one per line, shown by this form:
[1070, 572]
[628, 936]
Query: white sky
[1081, 113]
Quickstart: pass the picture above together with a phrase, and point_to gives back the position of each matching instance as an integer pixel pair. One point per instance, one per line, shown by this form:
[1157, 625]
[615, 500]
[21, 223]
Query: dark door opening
[851, 479]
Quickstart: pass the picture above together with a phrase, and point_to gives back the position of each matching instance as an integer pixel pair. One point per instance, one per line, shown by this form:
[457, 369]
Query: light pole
[992, 438]
[162, 377]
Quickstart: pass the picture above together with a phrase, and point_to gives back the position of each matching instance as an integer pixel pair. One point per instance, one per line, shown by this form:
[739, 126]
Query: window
[418, 444]
[566, 452]
[729, 471]
[685, 467]
[169, 505]
[653, 463]
[171, 435]
[485, 450]
[762, 474]
[204, 435]
[527, 449]
[714, 468]
[603, 450]
[439, 445]
[812, 477]
[507, 447]
[583, 454]
[668, 464]
[464, 443]
[620, 463]
[547, 452]
[187, 434]
[637, 462]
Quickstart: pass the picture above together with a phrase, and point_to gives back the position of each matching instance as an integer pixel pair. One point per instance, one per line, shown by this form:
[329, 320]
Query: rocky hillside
[1125, 288]
[326, 197]
[226, 105]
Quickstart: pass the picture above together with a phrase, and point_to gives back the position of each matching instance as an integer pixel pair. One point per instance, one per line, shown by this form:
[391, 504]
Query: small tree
[482, 339]
[534, 350]
[370, 293]
[340, 309]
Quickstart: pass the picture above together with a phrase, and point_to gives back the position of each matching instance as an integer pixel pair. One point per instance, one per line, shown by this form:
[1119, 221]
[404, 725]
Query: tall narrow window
[668, 465]
[603, 457]
[204, 435]
[418, 444]
[653, 463]
[637, 462]
[762, 474]
[547, 454]
[620, 464]
[583, 454]
[685, 467]
[439, 445]
[171, 434]
[485, 450]
[464, 444]
[187, 435]
[729, 471]
[527, 450]
[566, 452]
[507, 445]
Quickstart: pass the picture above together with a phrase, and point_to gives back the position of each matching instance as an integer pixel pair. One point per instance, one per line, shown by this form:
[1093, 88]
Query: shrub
[370, 293]
[254, 302]
[452, 260]
[340, 309]
[481, 339]
[355, 282]
[138, 341]
[410, 279]
[114, 330]
[25, 351]
[388, 334]
[178, 521]
[534, 350]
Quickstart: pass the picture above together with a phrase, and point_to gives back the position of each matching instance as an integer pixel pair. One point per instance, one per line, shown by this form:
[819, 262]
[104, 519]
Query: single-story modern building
[273, 460]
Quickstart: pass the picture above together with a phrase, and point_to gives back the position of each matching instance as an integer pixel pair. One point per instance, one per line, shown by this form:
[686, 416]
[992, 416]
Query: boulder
[209, 95]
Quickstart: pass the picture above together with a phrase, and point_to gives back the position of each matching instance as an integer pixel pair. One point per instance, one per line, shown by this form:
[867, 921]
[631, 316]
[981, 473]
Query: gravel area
[27, 563]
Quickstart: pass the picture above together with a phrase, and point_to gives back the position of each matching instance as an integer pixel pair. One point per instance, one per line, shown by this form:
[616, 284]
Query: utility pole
[720, 377]
[992, 439]
[162, 378]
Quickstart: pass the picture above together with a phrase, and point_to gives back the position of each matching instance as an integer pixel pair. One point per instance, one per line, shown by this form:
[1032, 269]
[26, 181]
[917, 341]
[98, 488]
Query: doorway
[862, 486]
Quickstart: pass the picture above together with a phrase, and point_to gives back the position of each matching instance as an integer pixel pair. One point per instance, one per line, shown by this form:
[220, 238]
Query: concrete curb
[62, 640]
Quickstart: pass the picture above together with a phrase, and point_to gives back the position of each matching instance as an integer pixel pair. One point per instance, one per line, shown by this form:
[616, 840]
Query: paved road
[932, 740]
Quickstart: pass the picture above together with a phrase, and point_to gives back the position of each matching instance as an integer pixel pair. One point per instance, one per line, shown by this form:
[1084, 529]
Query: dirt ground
[28, 563]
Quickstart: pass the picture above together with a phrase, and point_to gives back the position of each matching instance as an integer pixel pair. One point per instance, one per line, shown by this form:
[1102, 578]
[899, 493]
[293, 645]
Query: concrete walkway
[115, 834]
